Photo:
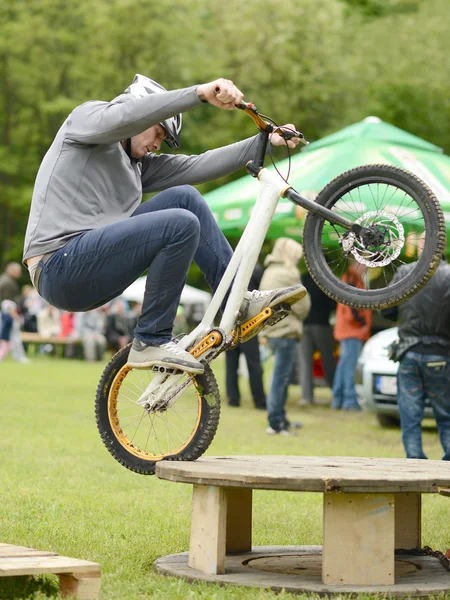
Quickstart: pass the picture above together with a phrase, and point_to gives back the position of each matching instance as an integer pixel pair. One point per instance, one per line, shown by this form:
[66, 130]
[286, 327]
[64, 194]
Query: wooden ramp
[77, 578]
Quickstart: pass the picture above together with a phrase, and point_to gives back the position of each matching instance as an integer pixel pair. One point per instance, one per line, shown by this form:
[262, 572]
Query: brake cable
[262, 121]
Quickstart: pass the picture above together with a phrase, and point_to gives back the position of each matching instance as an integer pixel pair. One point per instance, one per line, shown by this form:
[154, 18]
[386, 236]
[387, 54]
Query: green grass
[61, 490]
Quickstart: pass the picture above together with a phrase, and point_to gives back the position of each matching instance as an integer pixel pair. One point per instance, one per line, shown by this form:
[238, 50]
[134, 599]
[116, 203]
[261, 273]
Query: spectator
[119, 326]
[423, 351]
[9, 288]
[9, 314]
[90, 328]
[68, 333]
[317, 335]
[29, 305]
[351, 329]
[49, 322]
[282, 337]
[67, 325]
[252, 355]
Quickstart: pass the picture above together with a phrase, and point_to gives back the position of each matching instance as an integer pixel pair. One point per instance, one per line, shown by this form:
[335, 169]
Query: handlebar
[287, 134]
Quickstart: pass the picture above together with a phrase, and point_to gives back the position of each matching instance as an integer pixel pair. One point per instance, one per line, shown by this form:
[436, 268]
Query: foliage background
[321, 64]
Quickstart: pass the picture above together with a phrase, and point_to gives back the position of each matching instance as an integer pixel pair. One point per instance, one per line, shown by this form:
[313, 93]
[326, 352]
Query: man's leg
[97, 266]
[232, 377]
[339, 376]
[436, 371]
[411, 403]
[213, 252]
[323, 336]
[353, 351]
[284, 351]
[255, 371]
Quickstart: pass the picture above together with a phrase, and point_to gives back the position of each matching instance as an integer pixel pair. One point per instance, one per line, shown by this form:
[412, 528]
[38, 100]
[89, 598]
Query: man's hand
[221, 93]
[277, 140]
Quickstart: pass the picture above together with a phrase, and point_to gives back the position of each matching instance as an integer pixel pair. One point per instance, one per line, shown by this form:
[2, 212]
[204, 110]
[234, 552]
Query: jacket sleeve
[162, 171]
[108, 122]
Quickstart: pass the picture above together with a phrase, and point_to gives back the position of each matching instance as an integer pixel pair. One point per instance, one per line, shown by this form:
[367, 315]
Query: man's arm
[162, 171]
[109, 122]
[126, 116]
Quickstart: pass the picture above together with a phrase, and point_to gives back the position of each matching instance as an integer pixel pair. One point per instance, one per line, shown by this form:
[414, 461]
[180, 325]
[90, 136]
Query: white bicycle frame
[237, 275]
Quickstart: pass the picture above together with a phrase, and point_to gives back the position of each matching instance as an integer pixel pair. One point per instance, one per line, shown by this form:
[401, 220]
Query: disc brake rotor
[381, 245]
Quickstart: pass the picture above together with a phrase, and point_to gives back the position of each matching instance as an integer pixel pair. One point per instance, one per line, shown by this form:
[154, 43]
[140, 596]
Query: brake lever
[288, 134]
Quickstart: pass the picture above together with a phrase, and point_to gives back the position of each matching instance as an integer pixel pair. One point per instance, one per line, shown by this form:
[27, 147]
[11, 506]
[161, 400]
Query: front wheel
[403, 222]
[139, 437]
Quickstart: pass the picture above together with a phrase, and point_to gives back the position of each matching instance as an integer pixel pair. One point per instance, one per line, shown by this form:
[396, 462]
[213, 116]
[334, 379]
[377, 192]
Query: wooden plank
[9, 551]
[444, 491]
[35, 565]
[358, 539]
[208, 529]
[83, 586]
[408, 520]
[314, 474]
[30, 337]
[239, 520]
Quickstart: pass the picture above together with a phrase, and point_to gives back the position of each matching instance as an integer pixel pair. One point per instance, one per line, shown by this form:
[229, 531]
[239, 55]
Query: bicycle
[160, 414]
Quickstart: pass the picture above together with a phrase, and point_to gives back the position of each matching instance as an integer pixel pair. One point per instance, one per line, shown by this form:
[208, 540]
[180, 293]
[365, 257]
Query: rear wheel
[399, 214]
[139, 437]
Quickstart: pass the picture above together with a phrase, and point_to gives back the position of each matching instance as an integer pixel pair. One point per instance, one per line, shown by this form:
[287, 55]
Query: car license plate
[386, 384]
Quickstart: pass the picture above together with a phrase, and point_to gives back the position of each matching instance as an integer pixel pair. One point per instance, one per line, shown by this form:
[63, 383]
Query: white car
[376, 379]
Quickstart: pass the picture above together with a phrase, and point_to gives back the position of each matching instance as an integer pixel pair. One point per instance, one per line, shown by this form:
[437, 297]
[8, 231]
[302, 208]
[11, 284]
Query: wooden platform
[77, 578]
[371, 507]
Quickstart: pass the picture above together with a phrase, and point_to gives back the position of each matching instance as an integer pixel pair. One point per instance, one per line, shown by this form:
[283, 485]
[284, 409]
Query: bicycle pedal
[165, 370]
[279, 312]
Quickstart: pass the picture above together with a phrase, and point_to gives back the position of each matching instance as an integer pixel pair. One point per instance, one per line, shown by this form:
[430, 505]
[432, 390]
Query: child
[8, 316]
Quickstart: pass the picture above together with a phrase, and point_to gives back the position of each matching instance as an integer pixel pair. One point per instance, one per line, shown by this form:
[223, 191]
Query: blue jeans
[285, 352]
[423, 376]
[163, 235]
[344, 392]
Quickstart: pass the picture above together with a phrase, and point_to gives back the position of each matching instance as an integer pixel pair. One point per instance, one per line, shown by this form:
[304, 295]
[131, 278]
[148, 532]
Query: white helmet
[140, 87]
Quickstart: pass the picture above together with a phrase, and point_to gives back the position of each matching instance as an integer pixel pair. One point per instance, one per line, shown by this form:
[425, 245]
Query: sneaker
[271, 431]
[167, 355]
[256, 301]
[284, 431]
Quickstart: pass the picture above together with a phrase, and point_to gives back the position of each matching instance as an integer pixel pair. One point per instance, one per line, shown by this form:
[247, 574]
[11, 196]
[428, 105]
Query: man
[424, 354]
[250, 350]
[351, 330]
[9, 288]
[317, 335]
[89, 237]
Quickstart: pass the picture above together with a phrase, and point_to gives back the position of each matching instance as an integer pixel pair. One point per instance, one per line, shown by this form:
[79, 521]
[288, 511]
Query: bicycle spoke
[166, 429]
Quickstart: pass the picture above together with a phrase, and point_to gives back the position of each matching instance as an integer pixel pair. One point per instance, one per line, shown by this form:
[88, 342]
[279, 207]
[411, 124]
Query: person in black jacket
[423, 350]
[251, 352]
[317, 335]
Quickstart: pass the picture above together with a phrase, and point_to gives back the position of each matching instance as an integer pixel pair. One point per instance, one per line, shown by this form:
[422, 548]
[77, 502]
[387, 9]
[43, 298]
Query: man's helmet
[142, 86]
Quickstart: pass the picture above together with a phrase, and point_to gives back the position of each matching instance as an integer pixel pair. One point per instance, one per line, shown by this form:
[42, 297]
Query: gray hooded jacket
[87, 181]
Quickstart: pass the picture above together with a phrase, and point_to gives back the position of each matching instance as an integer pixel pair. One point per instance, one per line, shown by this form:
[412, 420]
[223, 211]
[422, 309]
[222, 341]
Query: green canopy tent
[367, 142]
